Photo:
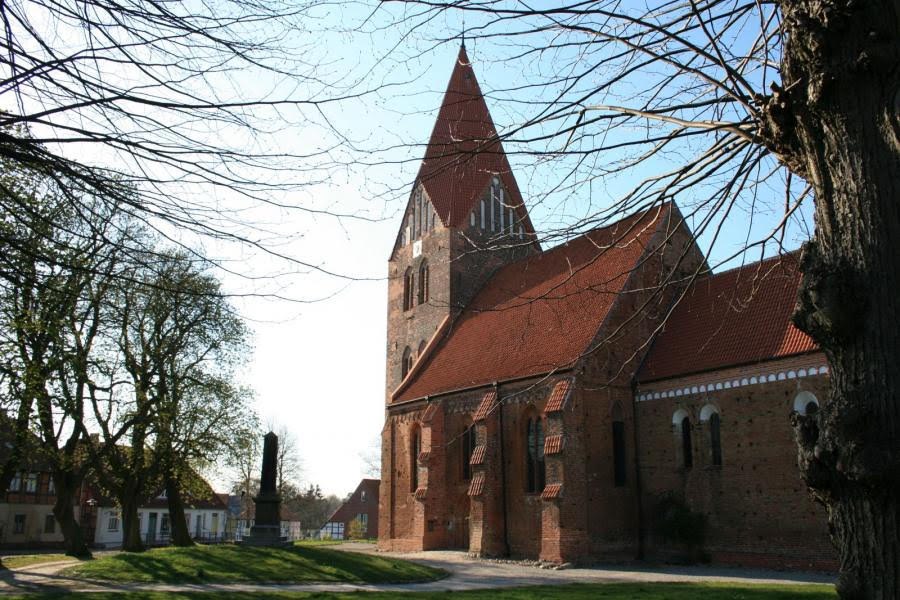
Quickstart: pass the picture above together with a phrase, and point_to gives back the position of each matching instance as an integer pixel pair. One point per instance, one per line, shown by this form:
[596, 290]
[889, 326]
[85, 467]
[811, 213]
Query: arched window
[406, 365]
[687, 448]
[423, 283]
[535, 474]
[421, 350]
[483, 213]
[408, 289]
[715, 439]
[618, 441]
[806, 403]
[415, 447]
[709, 414]
[468, 447]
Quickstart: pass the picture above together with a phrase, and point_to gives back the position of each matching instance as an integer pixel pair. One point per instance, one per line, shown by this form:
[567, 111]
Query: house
[359, 510]
[204, 511]
[27, 520]
[26, 510]
[581, 402]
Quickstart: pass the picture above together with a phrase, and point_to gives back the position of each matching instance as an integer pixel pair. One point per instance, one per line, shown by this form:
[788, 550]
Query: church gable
[538, 314]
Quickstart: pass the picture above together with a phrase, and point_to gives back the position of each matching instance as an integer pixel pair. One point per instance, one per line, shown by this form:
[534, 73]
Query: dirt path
[465, 574]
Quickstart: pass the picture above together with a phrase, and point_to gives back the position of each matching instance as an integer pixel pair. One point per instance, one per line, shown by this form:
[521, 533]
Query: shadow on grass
[611, 591]
[227, 563]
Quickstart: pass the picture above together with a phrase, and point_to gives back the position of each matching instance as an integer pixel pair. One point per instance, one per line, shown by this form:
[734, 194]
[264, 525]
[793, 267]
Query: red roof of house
[737, 317]
[464, 152]
[537, 314]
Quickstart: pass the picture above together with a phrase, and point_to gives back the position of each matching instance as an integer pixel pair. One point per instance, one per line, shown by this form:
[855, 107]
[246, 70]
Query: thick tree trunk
[131, 532]
[181, 535]
[836, 122]
[64, 511]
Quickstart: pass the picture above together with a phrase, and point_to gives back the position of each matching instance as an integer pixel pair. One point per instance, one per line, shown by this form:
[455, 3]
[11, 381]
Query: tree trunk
[836, 123]
[131, 532]
[63, 510]
[181, 535]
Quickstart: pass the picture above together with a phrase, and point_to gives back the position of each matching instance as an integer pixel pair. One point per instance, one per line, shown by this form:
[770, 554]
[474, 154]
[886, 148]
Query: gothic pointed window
[618, 440]
[468, 447]
[408, 289]
[415, 447]
[715, 439]
[687, 448]
[406, 364]
[483, 214]
[421, 350]
[423, 283]
[535, 471]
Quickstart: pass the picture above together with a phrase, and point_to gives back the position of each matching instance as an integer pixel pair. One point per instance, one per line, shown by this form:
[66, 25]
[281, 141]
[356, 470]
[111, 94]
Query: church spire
[464, 152]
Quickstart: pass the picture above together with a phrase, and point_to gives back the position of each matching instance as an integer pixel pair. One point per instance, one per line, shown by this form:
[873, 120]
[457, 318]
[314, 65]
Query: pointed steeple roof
[464, 151]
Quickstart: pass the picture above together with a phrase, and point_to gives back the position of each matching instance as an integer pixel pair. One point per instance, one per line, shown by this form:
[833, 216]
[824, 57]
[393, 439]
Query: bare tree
[732, 108]
[290, 464]
[182, 103]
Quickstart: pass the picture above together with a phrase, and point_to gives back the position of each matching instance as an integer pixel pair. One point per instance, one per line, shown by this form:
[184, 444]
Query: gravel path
[465, 574]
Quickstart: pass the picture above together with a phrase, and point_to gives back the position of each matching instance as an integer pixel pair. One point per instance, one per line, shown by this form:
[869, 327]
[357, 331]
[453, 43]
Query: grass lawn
[228, 563]
[612, 591]
[24, 560]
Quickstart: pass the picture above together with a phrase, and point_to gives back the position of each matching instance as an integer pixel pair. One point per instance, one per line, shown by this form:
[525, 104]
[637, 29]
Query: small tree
[358, 530]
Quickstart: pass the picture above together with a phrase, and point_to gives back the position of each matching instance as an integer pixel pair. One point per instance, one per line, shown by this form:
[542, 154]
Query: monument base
[267, 530]
[265, 535]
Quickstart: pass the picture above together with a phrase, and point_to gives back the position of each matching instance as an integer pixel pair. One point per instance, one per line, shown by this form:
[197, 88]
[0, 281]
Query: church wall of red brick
[758, 510]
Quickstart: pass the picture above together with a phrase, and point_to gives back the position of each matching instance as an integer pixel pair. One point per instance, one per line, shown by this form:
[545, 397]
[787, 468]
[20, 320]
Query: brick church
[608, 398]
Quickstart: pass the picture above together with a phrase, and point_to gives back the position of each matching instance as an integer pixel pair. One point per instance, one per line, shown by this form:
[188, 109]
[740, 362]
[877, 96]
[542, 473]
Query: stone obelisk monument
[266, 530]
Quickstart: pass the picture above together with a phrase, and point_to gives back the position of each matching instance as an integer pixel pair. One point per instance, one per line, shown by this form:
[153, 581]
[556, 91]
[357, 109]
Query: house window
[51, 486]
[164, 524]
[50, 524]
[535, 467]
[618, 439]
[16, 484]
[715, 439]
[415, 447]
[687, 449]
[363, 518]
[472, 219]
[408, 288]
[19, 524]
[483, 215]
[468, 447]
[113, 523]
[362, 496]
[214, 528]
[406, 365]
[423, 283]
[31, 481]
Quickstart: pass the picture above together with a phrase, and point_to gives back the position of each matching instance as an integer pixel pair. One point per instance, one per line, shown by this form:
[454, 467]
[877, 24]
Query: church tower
[465, 218]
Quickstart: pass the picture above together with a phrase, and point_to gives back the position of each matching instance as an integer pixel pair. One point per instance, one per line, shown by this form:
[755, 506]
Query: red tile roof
[741, 316]
[552, 491]
[553, 444]
[487, 403]
[464, 152]
[478, 455]
[538, 314]
[558, 397]
[476, 486]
